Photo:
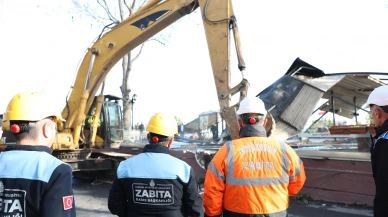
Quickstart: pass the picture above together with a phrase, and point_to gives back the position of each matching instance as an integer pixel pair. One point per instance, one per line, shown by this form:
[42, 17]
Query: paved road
[91, 201]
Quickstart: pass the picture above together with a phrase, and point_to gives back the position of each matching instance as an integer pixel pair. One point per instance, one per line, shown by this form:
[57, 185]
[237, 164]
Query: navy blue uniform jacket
[379, 158]
[154, 183]
[33, 183]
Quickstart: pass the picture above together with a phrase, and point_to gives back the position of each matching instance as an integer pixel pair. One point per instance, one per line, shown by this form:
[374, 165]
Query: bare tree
[110, 12]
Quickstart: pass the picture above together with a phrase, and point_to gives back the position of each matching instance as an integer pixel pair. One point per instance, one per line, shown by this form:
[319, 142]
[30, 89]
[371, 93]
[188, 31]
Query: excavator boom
[107, 50]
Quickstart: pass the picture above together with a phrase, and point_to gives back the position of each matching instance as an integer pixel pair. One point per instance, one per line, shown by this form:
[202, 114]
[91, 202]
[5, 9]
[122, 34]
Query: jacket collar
[29, 148]
[156, 149]
[253, 130]
[382, 129]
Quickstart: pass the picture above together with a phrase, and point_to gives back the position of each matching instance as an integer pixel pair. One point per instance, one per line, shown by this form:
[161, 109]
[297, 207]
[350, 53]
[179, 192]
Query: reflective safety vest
[252, 175]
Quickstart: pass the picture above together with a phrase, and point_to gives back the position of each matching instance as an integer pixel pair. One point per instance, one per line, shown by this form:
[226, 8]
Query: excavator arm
[107, 50]
[218, 19]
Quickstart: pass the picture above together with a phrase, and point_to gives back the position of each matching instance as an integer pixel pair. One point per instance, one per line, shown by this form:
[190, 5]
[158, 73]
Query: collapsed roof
[203, 122]
[293, 98]
[346, 93]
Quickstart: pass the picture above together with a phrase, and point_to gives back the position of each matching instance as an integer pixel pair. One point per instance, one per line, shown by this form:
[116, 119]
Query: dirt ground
[91, 200]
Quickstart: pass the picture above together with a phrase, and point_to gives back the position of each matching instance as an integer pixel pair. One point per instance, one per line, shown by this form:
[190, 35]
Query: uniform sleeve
[117, 199]
[58, 200]
[382, 168]
[192, 199]
[214, 186]
[296, 173]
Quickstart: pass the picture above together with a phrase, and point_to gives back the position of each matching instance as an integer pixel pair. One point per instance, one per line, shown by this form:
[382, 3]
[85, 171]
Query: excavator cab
[113, 124]
[110, 126]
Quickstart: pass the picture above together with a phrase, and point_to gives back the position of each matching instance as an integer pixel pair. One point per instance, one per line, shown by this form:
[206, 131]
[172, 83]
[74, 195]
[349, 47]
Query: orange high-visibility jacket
[252, 175]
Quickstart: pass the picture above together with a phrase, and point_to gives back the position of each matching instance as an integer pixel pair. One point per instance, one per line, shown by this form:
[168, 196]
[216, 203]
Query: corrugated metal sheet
[284, 130]
[294, 96]
[299, 111]
[193, 125]
[290, 102]
[354, 89]
[208, 118]
[345, 87]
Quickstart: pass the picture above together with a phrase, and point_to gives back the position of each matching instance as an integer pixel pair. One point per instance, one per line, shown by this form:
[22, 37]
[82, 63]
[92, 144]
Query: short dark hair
[30, 132]
[384, 107]
[162, 140]
[245, 118]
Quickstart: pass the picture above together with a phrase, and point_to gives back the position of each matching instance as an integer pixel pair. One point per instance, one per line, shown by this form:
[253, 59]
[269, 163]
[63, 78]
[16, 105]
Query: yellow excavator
[218, 20]
[95, 122]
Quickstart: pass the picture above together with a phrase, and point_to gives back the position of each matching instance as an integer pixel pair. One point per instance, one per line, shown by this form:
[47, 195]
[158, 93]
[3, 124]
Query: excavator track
[72, 155]
[91, 163]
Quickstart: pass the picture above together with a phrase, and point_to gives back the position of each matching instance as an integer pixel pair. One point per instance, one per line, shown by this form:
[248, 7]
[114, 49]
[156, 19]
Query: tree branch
[76, 4]
[142, 46]
[108, 11]
[155, 39]
[138, 54]
[106, 8]
[88, 11]
[129, 67]
[143, 3]
[129, 8]
[124, 65]
[121, 10]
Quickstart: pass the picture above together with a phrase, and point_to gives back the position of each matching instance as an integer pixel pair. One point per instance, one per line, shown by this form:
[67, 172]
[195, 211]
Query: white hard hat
[252, 105]
[379, 96]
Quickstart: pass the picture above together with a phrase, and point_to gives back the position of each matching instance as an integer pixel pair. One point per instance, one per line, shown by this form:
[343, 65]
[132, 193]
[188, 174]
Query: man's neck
[31, 142]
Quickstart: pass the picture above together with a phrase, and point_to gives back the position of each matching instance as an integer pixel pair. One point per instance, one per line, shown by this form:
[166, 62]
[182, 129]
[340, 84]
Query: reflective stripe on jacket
[34, 183]
[252, 175]
[154, 183]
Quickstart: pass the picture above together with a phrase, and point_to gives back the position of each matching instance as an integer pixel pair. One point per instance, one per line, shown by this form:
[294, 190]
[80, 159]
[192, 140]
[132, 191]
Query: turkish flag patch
[67, 202]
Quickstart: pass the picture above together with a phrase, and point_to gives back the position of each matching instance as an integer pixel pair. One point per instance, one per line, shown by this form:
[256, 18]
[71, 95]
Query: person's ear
[170, 142]
[48, 129]
[378, 113]
[264, 121]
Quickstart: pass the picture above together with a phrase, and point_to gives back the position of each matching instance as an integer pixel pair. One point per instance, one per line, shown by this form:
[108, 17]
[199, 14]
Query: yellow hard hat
[30, 106]
[162, 124]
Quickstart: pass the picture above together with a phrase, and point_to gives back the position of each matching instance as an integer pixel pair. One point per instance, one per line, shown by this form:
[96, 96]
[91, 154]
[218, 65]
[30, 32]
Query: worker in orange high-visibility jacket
[253, 175]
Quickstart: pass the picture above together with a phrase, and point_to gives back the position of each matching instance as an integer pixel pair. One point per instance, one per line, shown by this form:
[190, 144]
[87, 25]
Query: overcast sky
[42, 46]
